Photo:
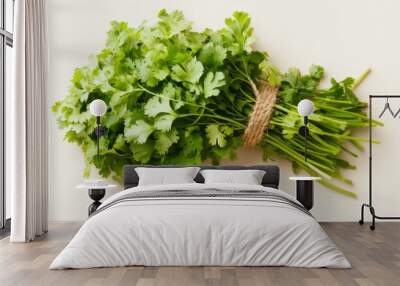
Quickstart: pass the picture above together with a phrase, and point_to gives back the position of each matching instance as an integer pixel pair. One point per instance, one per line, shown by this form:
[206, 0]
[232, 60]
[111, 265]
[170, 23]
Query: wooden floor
[375, 257]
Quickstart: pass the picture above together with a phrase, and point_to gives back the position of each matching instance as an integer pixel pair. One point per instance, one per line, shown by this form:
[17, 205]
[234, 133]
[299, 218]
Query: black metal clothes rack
[370, 203]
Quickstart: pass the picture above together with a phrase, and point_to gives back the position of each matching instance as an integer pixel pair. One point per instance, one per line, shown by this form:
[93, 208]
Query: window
[6, 44]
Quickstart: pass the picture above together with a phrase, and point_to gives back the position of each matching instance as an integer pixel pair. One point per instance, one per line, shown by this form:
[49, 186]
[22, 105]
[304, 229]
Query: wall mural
[178, 96]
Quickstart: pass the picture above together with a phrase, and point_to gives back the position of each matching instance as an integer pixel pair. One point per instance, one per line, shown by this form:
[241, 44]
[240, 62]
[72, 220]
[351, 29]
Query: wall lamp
[305, 109]
[98, 108]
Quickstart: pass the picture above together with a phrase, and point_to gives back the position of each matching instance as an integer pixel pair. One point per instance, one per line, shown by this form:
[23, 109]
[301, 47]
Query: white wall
[344, 36]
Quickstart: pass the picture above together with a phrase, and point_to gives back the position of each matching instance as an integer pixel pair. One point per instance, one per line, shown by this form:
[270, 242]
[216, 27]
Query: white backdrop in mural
[346, 37]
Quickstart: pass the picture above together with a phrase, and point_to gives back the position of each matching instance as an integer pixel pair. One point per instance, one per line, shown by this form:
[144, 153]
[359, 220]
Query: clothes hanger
[397, 113]
[387, 107]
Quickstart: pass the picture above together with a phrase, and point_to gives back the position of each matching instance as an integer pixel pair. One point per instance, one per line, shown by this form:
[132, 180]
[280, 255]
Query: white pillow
[165, 176]
[248, 177]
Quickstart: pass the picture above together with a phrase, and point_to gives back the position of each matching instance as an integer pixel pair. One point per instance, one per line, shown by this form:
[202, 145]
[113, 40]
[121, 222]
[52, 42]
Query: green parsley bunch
[177, 96]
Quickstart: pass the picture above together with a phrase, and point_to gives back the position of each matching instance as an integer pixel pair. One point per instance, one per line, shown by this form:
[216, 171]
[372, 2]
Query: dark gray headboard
[271, 177]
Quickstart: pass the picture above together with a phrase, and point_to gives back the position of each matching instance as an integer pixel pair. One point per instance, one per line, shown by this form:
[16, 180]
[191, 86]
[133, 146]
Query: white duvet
[199, 231]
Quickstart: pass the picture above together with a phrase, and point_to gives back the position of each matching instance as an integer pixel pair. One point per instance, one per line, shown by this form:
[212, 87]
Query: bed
[198, 224]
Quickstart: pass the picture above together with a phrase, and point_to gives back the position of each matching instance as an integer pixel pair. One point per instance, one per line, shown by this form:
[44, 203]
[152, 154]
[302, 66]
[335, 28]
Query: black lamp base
[96, 195]
[305, 193]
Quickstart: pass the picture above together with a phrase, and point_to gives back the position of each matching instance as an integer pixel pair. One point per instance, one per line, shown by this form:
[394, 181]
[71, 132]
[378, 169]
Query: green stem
[238, 124]
[328, 184]
[166, 97]
[333, 100]
[361, 78]
[240, 71]
[295, 155]
[338, 110]
[360, 139]
[250, 98]
[337, 189]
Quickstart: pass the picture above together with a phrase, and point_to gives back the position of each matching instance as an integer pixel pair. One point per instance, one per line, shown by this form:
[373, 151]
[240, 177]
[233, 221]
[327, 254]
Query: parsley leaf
[212, 83]
[165, 140]
[212, 55]
[157, 105]
[138, 132]
[190, 72]
[216, 134]
[164, 122]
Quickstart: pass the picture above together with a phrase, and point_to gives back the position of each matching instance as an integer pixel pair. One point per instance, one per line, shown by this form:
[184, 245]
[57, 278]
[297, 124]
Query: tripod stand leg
[372, 210]
[361, 221]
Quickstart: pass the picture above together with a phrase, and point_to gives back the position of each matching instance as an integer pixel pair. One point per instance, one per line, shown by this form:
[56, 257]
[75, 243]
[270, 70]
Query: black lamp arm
[99, 131]
[303, 131]
[305, 137]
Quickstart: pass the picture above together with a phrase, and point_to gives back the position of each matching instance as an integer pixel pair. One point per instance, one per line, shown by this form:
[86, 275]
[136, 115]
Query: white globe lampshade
[305, 107]
[98, 107]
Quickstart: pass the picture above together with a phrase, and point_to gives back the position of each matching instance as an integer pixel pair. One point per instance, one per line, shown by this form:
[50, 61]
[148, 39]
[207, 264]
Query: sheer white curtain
[28, 122]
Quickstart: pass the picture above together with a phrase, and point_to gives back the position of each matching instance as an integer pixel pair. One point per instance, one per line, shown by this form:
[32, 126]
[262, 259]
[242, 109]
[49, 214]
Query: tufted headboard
[271, 177]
